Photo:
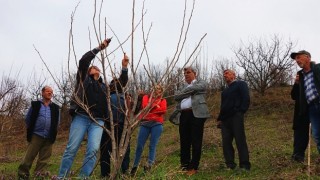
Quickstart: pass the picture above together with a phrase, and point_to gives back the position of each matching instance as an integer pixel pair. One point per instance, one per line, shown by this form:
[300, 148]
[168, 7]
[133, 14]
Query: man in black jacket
[235, 101]
[300, 125]
[42, 123]
[309, 92]
[89, 110]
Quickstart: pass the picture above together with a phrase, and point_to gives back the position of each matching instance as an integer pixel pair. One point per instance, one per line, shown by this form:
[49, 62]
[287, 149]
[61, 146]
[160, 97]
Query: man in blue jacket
[42, 124]
[235, 102]
[117, 101]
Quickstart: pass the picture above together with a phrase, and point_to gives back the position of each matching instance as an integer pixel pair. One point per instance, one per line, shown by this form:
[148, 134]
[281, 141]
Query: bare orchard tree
[12, 105]
[63, 95]
[146, 71]
[131, 122]
[34, 86]
[264, 61]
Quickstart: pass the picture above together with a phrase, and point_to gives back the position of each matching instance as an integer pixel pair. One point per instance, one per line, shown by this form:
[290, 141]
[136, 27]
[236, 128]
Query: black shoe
[245, 167]
[23, 177]
[297, 158]
[231, 166]
[146, 168]
[184, 167]
[133, 171]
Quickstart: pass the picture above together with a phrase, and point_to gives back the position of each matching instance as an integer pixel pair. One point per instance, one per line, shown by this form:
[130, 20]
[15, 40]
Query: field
[269, 135]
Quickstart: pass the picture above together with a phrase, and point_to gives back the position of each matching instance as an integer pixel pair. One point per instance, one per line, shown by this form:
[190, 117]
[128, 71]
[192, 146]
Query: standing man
[300, 125]
[194, 112]
[117, 100]
[89, 101]
[42, 124]
[309, 90]
[235, 102]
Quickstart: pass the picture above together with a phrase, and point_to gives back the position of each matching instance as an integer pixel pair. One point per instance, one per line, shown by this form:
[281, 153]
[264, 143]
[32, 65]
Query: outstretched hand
[104, 44]
[125, 60]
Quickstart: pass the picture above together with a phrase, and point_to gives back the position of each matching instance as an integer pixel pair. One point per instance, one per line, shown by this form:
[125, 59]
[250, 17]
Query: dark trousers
[106, 150]
[233, 128]
[38, 146]
[300, 141]
[191, 134]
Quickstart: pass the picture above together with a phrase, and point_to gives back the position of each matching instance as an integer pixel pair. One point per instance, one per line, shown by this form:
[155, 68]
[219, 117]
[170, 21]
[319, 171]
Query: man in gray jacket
[193, 113]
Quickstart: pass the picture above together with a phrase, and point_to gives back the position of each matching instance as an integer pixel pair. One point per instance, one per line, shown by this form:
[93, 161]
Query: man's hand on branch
[125, 61]
[104, 44]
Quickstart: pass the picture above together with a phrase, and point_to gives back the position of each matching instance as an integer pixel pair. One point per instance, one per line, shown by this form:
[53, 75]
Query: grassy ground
[269, 135]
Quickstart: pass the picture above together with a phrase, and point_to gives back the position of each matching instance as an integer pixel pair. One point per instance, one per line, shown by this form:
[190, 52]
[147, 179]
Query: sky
[45, 24]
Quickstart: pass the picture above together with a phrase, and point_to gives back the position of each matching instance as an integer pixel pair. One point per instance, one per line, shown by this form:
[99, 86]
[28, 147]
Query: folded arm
[197, 88]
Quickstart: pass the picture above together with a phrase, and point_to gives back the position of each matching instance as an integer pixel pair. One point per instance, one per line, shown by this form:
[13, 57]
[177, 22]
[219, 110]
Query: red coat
[158, 109]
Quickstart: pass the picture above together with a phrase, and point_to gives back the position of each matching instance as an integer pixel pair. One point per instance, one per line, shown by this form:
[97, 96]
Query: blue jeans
[79, 127]
[144, 133]
[314, 114]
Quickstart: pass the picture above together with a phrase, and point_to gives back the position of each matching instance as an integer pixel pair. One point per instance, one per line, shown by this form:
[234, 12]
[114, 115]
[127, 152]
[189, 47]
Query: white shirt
[186, 103]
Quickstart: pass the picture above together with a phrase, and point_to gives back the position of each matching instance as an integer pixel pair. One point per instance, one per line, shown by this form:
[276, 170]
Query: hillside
[269, 135]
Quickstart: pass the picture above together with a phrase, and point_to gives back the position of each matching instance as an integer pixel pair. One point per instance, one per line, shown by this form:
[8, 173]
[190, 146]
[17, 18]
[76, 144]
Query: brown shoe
[191, 172]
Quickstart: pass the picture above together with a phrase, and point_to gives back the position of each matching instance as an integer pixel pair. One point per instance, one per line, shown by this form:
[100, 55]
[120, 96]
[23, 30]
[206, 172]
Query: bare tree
[12, 105]
[63, 95]
[34, 86]
[141, 74]
[264, 62]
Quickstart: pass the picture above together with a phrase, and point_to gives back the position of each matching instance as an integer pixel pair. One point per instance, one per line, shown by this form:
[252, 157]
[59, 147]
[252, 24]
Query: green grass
[269, 133]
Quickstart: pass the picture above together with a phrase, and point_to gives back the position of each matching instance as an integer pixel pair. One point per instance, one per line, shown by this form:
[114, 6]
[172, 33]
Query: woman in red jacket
[151, 124]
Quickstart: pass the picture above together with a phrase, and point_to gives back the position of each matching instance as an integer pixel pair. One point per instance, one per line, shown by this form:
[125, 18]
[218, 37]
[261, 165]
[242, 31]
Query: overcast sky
[46, 24]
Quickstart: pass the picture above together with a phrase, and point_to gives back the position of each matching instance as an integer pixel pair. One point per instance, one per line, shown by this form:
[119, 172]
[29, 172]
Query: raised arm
[86, 59]
[124, 73]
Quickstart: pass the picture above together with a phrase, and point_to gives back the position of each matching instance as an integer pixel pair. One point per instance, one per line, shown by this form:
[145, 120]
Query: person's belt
[186, 110]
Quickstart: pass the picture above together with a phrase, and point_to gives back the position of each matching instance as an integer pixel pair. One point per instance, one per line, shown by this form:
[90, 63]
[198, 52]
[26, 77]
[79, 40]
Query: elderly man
[42, 124]
[300, 125]
[194, 112]
[309, 91]
[235, 102]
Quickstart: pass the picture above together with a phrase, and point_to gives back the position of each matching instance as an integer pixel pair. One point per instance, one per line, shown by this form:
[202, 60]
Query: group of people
[90, 115]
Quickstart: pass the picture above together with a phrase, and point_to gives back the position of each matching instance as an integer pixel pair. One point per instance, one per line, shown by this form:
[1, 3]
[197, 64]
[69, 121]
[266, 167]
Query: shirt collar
[43, 102]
